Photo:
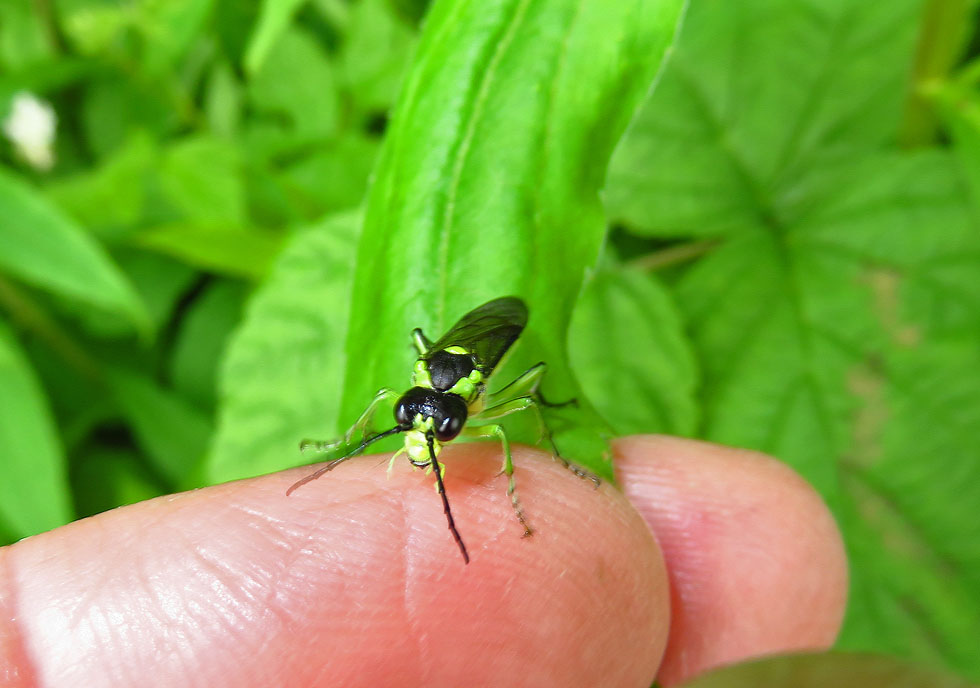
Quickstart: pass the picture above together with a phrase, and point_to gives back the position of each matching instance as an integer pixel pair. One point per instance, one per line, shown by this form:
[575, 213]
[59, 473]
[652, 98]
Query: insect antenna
[445, 500]
[351, 454]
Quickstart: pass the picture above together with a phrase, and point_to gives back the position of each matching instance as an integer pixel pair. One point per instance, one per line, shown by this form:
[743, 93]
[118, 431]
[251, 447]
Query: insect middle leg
[522, 394]
[489, 432]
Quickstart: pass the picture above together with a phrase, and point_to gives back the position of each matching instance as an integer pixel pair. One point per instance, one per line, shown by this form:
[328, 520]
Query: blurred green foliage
[196, 273]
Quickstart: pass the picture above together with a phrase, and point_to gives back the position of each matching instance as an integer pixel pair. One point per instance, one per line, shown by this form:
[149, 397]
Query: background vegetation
[787, 256]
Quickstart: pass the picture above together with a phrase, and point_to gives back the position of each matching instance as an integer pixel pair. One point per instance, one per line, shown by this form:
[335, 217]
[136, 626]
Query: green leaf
[33, 486]
[730, 125]
[297, 86]
[230, 250]
[376, 50]
[23, 36]
[488, 180]
[274, 18]
[172, 432]
[201, 341]
[103, 479]
[630, 355]
[839, 669]
[283, 371]
[41, 246]
[843, 298]
[202, 178]
[169, 27]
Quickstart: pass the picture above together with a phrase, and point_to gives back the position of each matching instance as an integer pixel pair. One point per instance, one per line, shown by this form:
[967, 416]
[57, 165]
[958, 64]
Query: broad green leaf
[297, 85]
[116, 108]
[488, 179]
[201, 341]
[274, 18]
[203, 178]
[755, 93]
[839, 669]
[172, 432]
[33, 486]
[230, 250]
[110, 198]
[23, 38]
[631, 357]
[41, 246]
[376, 50]
[168, 28]
[335, 176]
[844, 265]
[283, 373]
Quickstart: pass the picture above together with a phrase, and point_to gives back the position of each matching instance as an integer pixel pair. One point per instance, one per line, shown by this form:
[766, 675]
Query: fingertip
[756, 561]
[352, 580]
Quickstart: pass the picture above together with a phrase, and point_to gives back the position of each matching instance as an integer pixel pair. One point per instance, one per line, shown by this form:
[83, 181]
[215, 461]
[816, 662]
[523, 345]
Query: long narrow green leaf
[33, 486]
[489, 178]
[43, 247]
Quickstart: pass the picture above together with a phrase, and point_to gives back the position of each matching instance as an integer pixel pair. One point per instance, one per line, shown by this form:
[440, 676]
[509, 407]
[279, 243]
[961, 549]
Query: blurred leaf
[33, 487]
[202, 177]
[487, 183]
[840, 260]
[115, 110]
[838, 669]
[296, 87]
[411, 11]
[223, 100]
[204, 332]
[24, 38]
[274, 18]
[376, 51]
[168, 28]
[111, 197]
[172, 432]
[92, 26]
[234, 251]
[336, 176]
[39, 245]
[630, 354]
[103, 479]
[284, 368]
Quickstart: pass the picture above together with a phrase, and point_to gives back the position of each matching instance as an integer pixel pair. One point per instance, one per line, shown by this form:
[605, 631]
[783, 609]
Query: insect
[449, 397]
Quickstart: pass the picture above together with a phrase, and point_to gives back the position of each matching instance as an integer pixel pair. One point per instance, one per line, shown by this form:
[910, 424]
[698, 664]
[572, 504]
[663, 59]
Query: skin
[354, 580]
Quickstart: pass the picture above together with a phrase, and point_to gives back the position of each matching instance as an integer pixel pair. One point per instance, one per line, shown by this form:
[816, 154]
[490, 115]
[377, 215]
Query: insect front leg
[489, 432]
[361, 425]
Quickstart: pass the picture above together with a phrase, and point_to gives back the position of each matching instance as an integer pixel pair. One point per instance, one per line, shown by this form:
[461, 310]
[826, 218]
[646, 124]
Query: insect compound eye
[451, 417]
[411, 403]
[449, 428]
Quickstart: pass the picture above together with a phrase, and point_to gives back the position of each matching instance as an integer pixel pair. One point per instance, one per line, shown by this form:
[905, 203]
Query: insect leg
[522, 403]
[349, 455]
[422, 343]
[490, 431]
[360, 425]
[441, 489]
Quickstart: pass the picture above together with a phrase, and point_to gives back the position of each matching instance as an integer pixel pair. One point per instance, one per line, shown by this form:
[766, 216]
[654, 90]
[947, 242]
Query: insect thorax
[451, 371]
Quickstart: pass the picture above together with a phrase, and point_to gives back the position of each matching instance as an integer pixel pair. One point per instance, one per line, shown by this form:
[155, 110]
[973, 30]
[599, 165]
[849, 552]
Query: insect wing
[487, 332]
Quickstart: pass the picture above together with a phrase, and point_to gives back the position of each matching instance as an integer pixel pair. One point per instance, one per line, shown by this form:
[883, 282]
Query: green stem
[673, 255]
[30, 316]
[943, 33]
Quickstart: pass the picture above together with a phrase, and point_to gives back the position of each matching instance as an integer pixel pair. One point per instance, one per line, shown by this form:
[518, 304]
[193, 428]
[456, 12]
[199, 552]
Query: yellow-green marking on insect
[449, 397]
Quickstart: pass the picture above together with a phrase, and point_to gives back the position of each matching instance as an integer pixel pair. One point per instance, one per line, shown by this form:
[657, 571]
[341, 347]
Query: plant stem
[28, 315]
[943, 33]
[681, 253]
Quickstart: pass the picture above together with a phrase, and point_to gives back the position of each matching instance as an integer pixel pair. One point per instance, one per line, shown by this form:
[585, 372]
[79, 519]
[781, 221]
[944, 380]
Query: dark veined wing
[487, 332]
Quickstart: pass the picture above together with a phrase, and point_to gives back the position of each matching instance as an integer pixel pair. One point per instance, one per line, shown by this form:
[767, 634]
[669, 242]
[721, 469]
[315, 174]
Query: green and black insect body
[449, 397]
